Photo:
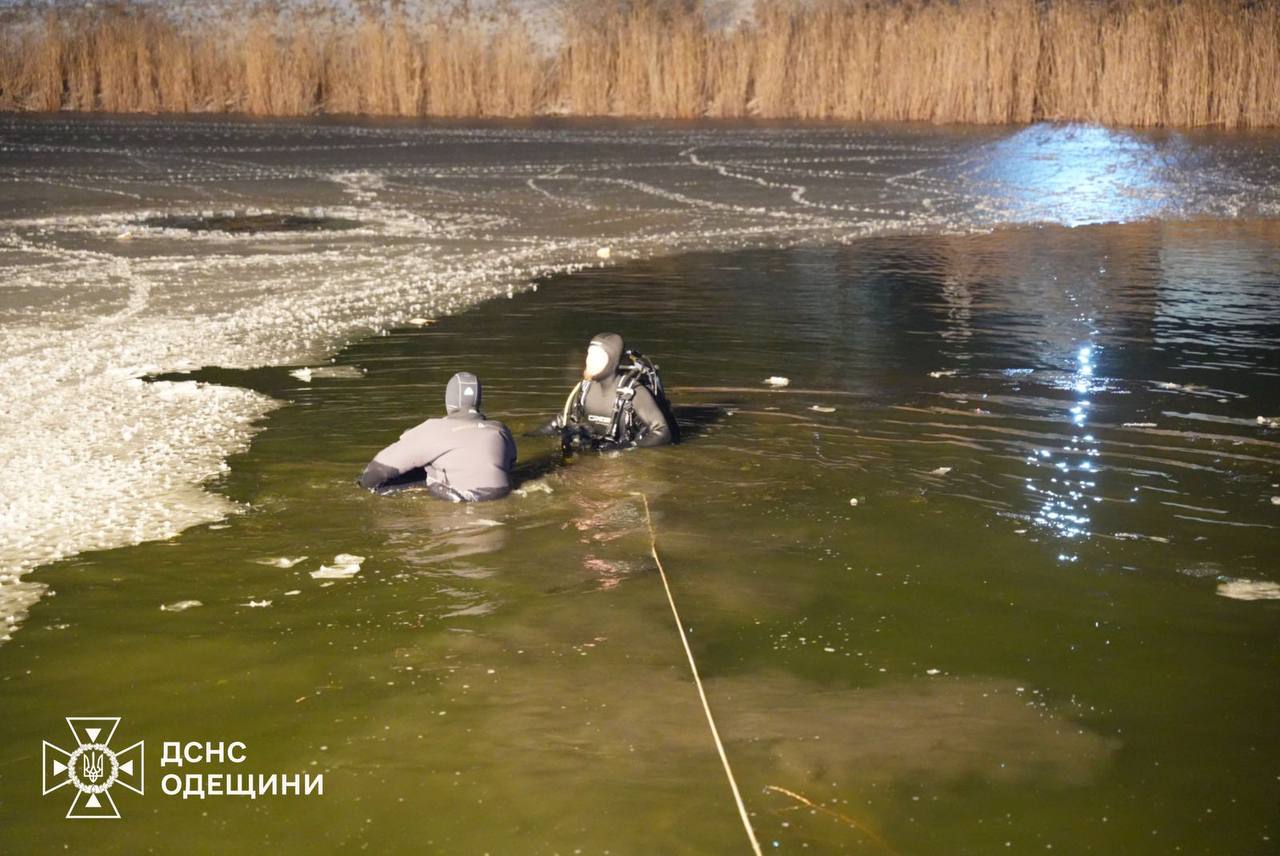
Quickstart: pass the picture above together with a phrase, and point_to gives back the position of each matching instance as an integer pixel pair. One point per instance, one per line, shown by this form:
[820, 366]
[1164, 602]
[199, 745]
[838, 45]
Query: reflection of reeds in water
[1141, 62]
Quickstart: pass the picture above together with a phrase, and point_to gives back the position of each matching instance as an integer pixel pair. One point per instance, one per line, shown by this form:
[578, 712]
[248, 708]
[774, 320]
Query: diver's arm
[417, 447]
[509, 450]
[568, 416]
[376, 474]
[550, 429]
[654, 430]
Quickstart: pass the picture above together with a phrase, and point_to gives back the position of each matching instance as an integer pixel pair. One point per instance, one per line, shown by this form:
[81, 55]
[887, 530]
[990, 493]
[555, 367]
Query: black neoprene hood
[462, 394]
[613, 346]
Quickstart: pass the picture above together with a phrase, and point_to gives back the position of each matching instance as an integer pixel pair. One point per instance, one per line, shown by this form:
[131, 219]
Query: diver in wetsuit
[619, 403]
[467, 457]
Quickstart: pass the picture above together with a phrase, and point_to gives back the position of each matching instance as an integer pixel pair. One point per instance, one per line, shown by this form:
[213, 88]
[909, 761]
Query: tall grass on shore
[1134, 62]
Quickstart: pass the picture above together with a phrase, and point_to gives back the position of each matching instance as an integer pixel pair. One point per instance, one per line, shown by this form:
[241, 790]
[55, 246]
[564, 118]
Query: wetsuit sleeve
[415, 448]
[509, 450]
[554, 426]
[652, 422]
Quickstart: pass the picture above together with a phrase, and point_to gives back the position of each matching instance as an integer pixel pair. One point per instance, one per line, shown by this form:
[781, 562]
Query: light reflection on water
[1070, 491]
[1079, 174]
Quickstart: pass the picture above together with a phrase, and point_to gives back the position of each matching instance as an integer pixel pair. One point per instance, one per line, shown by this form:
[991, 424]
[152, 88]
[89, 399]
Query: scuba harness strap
[638, 370]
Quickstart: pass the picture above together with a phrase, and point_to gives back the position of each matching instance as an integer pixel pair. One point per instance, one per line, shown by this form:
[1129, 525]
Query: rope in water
[697, 680]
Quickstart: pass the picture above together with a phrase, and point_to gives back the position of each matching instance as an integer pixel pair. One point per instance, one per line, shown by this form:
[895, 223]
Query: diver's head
[462, 395]
[603, 355]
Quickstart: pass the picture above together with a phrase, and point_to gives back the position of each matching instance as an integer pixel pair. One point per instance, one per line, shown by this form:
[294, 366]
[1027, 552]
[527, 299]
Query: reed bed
[1130, 62]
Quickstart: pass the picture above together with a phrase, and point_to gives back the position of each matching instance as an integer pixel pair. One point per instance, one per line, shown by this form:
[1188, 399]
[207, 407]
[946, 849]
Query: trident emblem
[93, 767]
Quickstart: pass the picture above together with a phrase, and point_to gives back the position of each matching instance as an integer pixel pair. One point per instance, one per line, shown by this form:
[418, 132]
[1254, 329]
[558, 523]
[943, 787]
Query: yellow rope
[831, 812]
[693, 667]
[568, 402]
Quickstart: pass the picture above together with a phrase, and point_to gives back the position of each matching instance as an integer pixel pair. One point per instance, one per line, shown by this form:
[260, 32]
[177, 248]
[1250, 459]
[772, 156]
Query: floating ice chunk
[180, 605]
[337, 371]
[944, 373]
[933, 671]
[603, 253]
[303, 374]
[1269, 421]
[818, 408]
[421, 322]
[535, 486]
[335, 572]
[1275, 500]
[1249, 590]
[292, 592]
[1139, 424]
[257, 604]
[853, 502]
[281, 561]
[777, 380]
[1135, 536]
[940, 471]
[344, 566]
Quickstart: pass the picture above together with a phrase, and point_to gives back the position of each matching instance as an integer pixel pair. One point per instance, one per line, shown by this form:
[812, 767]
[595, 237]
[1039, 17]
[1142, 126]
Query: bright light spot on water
[1079, 174]
[1059, 507]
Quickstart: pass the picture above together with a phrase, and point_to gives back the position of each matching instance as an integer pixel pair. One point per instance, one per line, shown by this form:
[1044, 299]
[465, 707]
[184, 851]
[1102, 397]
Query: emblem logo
[93, 767]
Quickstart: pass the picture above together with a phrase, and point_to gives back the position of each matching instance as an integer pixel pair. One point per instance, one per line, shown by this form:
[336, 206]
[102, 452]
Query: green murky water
[1015, 640]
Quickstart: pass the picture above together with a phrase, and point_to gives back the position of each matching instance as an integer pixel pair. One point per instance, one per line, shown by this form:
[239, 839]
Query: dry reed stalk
[1136, 62]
